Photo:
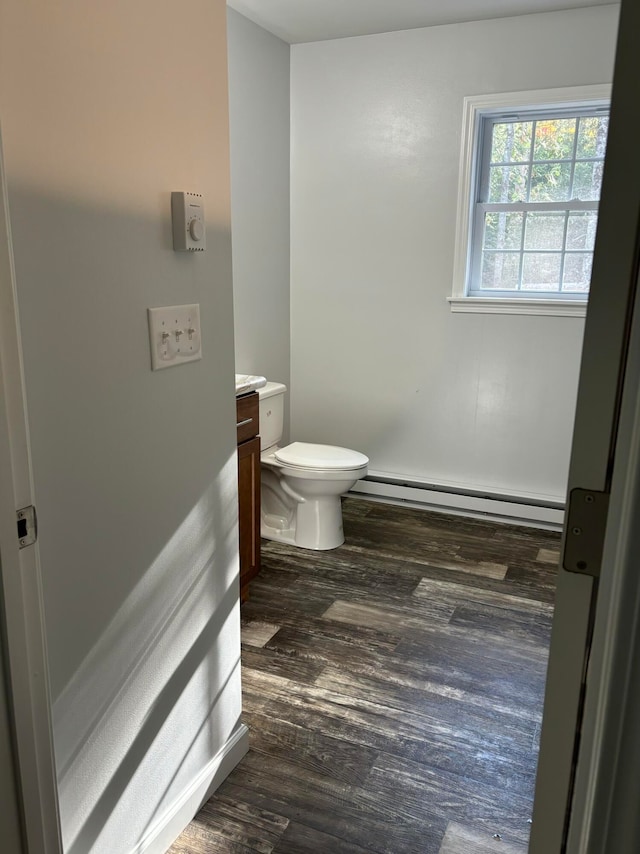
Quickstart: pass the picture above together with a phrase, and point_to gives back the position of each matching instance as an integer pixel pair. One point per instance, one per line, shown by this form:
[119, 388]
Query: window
[531, 190]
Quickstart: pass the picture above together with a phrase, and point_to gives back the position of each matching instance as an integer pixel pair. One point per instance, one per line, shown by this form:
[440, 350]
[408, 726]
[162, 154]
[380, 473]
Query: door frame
[604, 809]
[21, 600]
[11, 821]
[586, 744]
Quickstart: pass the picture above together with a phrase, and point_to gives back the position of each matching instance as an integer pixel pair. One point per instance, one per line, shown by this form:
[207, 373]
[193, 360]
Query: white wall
[106, 108]
[379, 363]
[259, 125]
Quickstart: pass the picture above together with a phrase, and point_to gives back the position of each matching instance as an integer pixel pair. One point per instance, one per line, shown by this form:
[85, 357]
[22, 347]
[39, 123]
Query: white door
[21, 611]
[596, 563]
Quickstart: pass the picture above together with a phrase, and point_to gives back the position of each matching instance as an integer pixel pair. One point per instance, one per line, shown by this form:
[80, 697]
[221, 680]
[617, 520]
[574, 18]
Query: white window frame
[475, 108]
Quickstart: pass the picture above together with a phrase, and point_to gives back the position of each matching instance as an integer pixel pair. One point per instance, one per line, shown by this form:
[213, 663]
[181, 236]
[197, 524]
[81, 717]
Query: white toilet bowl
[302, 483]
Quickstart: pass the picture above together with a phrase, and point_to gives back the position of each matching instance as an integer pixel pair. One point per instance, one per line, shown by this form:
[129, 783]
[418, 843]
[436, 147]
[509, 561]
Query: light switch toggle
[168, 343]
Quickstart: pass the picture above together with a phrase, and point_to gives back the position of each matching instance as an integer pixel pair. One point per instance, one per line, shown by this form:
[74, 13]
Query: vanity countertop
[248, 382]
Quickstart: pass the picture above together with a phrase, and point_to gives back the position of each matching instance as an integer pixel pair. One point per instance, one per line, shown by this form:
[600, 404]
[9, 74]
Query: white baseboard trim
[166, 830]
[527, 510]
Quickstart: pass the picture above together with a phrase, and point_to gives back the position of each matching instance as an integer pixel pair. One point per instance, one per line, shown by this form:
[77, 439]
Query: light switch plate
[174, 335]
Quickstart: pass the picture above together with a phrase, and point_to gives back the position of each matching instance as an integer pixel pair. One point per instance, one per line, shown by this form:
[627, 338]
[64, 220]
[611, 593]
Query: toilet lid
[328, 457]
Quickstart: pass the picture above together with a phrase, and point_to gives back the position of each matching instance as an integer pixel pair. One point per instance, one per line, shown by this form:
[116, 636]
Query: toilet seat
[305, 455]
[268, 459]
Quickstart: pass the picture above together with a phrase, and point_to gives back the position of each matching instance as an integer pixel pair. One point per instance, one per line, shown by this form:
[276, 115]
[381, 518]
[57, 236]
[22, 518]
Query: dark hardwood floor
[393, 689]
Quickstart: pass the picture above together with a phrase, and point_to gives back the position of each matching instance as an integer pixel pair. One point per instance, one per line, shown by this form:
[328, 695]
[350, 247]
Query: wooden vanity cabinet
[248, 427]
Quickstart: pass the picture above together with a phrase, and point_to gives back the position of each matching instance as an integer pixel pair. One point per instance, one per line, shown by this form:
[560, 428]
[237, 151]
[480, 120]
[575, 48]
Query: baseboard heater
[539, 511]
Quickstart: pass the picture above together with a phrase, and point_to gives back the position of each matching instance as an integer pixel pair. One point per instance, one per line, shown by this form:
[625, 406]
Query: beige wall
[106, 108]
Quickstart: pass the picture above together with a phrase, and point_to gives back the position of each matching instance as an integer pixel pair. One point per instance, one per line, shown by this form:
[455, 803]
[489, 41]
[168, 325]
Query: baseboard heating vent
[539, 511]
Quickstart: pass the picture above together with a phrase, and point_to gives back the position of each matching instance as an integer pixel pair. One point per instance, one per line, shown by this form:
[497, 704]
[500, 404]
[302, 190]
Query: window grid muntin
[529, 174]
[573, 158]
[564, 243]
[568, 206]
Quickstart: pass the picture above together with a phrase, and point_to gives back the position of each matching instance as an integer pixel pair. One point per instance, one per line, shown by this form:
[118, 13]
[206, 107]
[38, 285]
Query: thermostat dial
[187, 211]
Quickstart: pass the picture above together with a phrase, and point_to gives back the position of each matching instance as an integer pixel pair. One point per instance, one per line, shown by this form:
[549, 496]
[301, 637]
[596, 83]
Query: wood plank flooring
[393, 689]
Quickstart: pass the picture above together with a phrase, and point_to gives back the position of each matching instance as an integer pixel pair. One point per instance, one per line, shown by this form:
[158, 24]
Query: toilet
[301, 483]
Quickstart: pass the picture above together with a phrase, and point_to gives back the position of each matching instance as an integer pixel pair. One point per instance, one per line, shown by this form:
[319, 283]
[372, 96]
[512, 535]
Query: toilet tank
[271, 402]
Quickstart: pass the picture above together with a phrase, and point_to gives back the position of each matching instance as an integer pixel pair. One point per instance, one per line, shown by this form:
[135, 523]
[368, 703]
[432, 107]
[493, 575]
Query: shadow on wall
[159, 694]
[120, 454]
[136, 487]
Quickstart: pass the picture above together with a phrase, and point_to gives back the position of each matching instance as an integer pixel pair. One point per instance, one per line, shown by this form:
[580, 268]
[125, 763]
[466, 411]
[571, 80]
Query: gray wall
[379, 362]
[259, 130]
[107, 108]
[10, 816]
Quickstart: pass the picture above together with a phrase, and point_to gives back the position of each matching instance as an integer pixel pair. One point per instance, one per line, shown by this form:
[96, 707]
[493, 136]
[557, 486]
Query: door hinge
[585, 530]
[27, 526]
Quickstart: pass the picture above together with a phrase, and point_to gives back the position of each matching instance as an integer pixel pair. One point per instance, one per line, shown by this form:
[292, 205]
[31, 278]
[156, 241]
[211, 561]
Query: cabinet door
[249, 511]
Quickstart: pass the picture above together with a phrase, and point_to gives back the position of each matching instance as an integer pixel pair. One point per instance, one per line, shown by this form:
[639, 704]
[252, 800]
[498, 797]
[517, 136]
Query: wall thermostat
[187, 213]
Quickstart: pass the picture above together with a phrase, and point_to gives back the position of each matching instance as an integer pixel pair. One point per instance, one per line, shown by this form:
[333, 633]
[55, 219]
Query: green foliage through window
[536, 213]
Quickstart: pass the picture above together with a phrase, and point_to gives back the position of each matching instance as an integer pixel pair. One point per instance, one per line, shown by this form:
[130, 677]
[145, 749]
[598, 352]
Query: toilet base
[317, 525]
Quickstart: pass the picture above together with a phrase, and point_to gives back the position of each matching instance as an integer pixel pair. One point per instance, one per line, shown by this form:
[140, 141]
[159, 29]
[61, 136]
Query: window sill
[502, 305]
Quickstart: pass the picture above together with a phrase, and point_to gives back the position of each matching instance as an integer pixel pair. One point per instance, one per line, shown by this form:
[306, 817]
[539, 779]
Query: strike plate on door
[586, 525]
[27, 526]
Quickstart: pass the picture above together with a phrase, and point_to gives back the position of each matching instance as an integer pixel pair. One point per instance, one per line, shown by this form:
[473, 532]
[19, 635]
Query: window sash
[484, 141]
[477, 250]
[481, 206]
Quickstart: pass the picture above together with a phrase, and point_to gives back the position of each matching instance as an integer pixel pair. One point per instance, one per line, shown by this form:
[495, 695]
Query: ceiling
[315, 20]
